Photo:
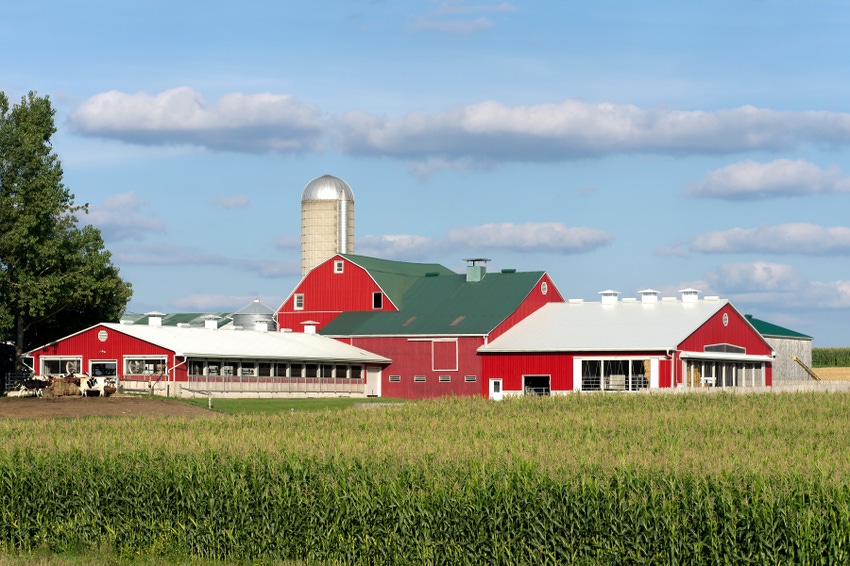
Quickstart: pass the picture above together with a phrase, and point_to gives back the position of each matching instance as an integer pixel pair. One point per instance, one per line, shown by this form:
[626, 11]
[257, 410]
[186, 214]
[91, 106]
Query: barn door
[496, 389]
[373, 381]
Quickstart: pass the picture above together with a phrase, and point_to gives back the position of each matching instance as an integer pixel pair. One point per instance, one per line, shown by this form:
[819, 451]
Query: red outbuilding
[627, 345]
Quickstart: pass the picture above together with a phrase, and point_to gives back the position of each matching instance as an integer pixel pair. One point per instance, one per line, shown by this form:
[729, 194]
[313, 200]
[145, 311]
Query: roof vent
[689, 295]
[476, 268]
[211, 322]
[576, 301]
[432, 273]
[126, 322]
[184, 325]
[509, 270]
[310, 326]
[609, 297]
[155, 318]
[648, 296]
[711, 298]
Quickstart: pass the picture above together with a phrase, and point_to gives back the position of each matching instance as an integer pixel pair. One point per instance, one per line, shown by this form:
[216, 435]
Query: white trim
[724, 357]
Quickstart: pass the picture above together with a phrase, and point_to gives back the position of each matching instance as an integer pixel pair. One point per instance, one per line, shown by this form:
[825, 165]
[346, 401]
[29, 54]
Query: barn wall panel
[531, 303]
[414, 357]
[512, 367]
[737, 332]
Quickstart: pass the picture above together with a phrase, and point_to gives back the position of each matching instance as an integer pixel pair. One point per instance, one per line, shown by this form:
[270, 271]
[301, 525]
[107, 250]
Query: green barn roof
[441, 302]
[773, 330]
[396, 277]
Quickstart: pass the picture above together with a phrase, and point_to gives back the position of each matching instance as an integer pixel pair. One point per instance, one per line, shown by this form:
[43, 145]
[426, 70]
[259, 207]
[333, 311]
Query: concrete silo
[327, 221]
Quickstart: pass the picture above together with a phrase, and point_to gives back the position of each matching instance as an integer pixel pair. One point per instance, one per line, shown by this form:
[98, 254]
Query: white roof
[241, 344]
[589, 327]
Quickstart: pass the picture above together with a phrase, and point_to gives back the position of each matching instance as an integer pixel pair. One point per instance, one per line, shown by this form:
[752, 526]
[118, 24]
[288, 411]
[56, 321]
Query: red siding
[512, 367]
[531, 303]
[116, 347]
[414, 356]
[327, 294]
[738, 332]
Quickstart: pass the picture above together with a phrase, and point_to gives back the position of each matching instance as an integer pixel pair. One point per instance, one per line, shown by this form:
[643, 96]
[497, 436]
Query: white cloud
[237, 122]
[288, 244]
[172, 254]
[757, 276]
[235, 201]
[452, 25]
[782, 177]
[574, 129]
[530, 237]
[119, 218]
[475, 135]
[795, 238]
[459, 17]
[552, 237]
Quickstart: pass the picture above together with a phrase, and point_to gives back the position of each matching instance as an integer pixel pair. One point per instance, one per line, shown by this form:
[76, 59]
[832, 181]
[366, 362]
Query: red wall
[414, 357]
[531, 303]
[327, 294]
[88, 345]
[511, 368]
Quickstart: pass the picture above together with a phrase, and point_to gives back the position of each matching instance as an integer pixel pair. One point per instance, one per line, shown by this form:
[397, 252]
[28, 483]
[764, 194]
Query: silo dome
[327, 187]
[255, 316]
[327, 221]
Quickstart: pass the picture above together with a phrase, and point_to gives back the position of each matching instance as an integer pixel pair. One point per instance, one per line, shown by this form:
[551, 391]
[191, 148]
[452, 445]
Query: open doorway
[536, 384]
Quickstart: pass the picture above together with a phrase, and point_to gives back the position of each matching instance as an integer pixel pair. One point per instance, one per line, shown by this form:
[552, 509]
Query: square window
[298, 302]
[395, 378]
[339, 266]
[377, 300]
[419, 378]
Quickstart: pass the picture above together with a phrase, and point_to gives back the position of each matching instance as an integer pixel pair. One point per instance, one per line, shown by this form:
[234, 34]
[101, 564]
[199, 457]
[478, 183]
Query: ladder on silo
[809, 370]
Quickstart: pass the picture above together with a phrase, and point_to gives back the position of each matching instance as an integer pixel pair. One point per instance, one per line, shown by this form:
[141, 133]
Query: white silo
[327, 221]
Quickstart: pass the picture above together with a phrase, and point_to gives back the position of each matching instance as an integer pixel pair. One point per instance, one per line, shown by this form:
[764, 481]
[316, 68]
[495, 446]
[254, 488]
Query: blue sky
[616, 145]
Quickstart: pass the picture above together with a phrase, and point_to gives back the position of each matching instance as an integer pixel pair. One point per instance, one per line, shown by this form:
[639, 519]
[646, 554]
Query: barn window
[60, 366]
[312, 370]
[470, 378]
[615, 375]
[395, 378]
[298, 302]
[264, 369]
[144, 366]
[377, 300]
[338, 266]
[356, 372]
[419, 378]
[725, 348]
[341, 372]
[104, 368]
[445, 379]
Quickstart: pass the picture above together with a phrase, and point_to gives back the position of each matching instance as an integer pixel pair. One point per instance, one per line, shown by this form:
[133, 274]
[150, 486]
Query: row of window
[104, 368]
[377, 301]
[441, 379]
[234, 368]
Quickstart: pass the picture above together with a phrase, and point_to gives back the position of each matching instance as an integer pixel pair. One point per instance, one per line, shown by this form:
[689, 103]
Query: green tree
[55, 277]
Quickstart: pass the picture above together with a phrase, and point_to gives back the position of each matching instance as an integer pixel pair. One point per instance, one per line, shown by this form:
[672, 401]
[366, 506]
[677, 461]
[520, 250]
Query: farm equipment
[809, 370]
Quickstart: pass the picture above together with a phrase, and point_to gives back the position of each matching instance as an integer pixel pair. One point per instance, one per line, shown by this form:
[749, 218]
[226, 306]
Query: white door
[373, 382]
[496, 389]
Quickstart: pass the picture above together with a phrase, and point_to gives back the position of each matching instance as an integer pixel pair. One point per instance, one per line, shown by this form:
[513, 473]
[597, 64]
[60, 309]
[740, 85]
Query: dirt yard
[114, 406]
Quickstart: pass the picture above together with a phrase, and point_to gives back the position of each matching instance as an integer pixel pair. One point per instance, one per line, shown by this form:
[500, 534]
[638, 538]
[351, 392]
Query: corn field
[830, 357]
[582, 479]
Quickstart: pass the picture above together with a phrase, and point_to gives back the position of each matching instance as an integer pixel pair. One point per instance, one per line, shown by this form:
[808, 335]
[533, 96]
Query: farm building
[627, 345]
[787, 344]
[178, 361]
[429, 320]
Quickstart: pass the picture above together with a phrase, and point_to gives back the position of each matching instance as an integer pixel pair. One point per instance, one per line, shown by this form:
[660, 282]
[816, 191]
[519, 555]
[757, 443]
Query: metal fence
[13, 379]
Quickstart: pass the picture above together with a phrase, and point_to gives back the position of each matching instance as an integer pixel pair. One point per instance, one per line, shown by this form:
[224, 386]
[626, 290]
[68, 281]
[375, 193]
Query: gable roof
[396, 277]
[444, 304]
[173, 319]
[241, 344]
[597, 327]
[767, 329]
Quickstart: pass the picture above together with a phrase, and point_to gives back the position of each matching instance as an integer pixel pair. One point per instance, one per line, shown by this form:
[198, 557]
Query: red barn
[176, 361]
[627, 346]
[427, 319]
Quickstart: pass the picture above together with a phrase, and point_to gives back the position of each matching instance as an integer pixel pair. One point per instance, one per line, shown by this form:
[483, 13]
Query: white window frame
[419, 379]
[470, 378]
[445, 379]
[93, 362]
[63, 370]
[377, 297]
[395, 379]
[339, 266]
[125, 364]
[298, 302]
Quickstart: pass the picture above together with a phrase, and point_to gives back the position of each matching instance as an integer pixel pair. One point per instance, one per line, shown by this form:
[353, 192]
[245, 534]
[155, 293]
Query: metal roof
[589, 327]
[173, 319]
[774, 330]
[199, 342]
[327, 187]
[396, 277]
[444, 304]
[256, 307]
